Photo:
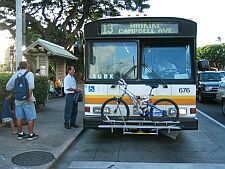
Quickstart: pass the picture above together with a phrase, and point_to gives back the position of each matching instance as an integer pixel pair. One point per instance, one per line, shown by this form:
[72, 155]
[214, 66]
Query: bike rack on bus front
[141, 127]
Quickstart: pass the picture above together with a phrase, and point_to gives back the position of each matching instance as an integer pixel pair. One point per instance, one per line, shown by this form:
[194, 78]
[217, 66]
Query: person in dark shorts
[7, 114]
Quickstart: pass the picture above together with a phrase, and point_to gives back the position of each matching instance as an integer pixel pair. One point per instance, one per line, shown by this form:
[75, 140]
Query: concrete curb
[58, 153]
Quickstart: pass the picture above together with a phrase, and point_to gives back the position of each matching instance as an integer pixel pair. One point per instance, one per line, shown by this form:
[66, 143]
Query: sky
[208, 14]
[5, 42]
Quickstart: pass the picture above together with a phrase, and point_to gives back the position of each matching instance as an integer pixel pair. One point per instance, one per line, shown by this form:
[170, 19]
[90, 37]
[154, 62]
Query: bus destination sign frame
[138, 28]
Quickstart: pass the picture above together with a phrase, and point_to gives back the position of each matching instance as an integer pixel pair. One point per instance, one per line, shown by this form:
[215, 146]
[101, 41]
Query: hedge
[40, 91]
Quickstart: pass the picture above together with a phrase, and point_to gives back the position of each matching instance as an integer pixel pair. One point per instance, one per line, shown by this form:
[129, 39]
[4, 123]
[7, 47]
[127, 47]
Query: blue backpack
[21, 87]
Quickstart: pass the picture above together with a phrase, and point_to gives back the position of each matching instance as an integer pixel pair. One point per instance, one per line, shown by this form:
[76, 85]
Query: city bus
[132, 48]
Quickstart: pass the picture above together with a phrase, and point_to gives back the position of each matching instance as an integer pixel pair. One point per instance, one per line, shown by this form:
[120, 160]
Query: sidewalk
[53, 138]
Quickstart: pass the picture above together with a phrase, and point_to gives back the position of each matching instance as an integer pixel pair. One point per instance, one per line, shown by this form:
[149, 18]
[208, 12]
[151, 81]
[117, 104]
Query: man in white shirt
[71, 108]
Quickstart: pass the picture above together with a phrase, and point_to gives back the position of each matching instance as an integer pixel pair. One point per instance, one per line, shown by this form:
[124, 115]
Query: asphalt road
[203, 146]
[212, 109]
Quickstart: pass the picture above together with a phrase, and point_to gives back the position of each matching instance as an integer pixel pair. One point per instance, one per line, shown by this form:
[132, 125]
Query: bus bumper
[92, 122]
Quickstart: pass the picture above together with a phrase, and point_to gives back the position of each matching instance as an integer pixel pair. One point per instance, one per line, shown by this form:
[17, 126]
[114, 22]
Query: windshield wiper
[155, 75]
[132, 69]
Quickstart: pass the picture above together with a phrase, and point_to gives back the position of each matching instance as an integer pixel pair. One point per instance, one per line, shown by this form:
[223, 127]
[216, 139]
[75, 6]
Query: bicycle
[161, 110]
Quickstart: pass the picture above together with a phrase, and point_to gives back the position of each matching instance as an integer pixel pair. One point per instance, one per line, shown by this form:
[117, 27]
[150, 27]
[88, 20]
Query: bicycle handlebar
[119, 82]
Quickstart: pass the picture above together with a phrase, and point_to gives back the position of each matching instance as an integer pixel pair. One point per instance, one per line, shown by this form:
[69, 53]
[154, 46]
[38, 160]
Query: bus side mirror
[78, 48]
[203, 65]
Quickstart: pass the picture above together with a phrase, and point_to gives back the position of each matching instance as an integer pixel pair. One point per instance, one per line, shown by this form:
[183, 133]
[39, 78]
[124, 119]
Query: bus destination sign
[134, 28]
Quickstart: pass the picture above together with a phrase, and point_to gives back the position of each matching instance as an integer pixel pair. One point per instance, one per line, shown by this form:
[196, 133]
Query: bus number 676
[184, 90]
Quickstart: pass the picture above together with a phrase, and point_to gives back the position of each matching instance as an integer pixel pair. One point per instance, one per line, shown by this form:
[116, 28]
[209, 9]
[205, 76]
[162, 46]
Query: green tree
[60, 21]
[214, 53]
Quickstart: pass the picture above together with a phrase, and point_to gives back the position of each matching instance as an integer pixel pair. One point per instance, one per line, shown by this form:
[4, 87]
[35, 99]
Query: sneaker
[74, 125]
[67, 126]
[21, 136]
[32, 137]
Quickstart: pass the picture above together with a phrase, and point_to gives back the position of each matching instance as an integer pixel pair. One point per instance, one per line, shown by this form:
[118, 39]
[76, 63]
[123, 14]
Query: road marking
[210, 118]
[138, 165]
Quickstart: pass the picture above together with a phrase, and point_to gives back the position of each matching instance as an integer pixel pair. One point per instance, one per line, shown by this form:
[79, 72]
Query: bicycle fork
[118, 108]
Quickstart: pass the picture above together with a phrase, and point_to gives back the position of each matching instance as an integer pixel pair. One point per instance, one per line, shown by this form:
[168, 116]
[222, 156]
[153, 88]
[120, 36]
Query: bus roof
[140, 17]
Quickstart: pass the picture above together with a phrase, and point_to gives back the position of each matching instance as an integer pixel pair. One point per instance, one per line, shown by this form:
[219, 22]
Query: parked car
[223, 72]
[208, 84]
[220, 96]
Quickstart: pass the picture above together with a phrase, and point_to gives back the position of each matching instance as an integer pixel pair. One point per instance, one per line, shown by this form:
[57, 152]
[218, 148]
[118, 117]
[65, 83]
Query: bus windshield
[166, 62]
[113, 60]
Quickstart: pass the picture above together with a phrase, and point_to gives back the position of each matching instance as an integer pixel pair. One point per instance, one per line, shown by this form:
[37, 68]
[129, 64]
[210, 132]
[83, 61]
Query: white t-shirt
[69, 82]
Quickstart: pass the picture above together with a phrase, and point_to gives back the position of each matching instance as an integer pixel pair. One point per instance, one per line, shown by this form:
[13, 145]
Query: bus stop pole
[18, 32]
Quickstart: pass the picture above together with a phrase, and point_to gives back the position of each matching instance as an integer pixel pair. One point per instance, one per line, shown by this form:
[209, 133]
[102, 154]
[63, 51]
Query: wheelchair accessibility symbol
[91, 88]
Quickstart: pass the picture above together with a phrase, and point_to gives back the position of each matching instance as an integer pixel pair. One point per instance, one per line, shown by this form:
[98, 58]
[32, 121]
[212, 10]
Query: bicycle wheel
[115, 109]
[164, 110]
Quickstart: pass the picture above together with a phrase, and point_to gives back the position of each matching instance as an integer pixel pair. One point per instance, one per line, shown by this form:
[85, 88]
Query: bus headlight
[172, 111]
[106, 110]
[97, 110]
[182, 111]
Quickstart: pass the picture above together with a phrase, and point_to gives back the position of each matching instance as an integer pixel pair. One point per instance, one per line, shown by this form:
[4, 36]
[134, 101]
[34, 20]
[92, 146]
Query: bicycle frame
[133, 97]
[153, 107]
[130, 94]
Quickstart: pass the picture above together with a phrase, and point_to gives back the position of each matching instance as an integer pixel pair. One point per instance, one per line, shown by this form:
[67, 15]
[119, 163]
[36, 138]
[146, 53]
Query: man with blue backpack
[22, 85]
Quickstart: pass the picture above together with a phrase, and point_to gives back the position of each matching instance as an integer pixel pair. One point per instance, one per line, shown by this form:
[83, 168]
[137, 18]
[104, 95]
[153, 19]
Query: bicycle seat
[153, 86]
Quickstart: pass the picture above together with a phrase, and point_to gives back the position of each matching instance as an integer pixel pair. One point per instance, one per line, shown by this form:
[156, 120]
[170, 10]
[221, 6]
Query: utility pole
[24, 30]
[11, 54]
[18, 32]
